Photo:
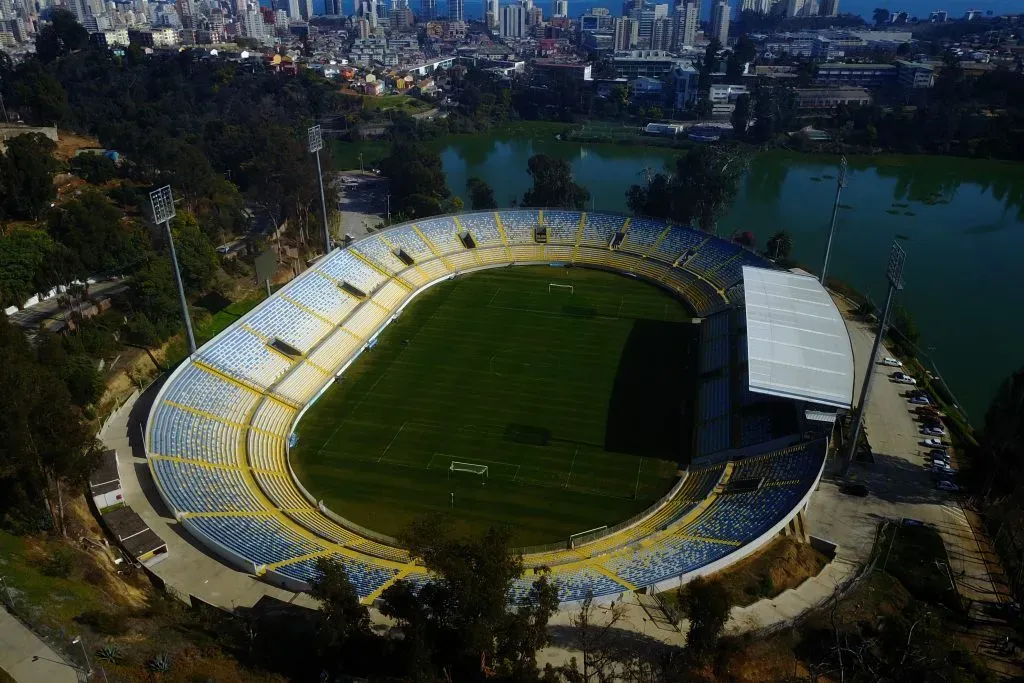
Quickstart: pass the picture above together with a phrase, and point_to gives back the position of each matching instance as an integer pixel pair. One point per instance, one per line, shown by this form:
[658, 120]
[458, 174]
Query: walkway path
[27, 659]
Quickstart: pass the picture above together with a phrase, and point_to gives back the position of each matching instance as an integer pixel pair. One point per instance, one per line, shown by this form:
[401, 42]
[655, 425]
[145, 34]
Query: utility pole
[316, 143]
[77, 640]
[162, 203]
[894, 273]
[835, 214]
[389, 208]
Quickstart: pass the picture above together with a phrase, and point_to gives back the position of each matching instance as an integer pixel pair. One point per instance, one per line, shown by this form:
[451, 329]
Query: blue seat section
[572, 585]
[442, 233]
[482, 227]
[519, 225]
[732, 272]
[192, 488]
[366, 578]
[343, 266]
[321, 295]
[799, 462]
[668, 559]
[600, 228]
[378, 252]
[643, 232]
[711, 255]
[204, 391]
[182, 434]
[263, 540]
[406, 239]
[278, 319]
[562, 225]
[743, 517]
[715, 342]
[239, 353]
[677, 242]
[755, 429]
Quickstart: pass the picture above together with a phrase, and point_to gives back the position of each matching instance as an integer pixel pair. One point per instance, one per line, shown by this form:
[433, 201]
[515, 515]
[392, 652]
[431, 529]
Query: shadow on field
[650, 412]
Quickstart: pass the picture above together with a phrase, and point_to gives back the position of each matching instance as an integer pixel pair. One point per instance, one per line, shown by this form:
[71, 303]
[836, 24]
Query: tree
[23, 258]
[26, 175]
[101, 240]
[38, 90]
[418, 185]
[62, 35]
[553, 184]
[197, 257]
[461, 625]
[904, 330]
[481, 196]
[704, 108]
[343, 625]
[880, 16]
[703, 187]
[741, 115]
[707, 607]
[779, 246]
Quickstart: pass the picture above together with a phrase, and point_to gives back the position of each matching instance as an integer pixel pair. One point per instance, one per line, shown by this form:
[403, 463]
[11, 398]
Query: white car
[892, 362]
[903, 378]
[932, 443]
[947, 486]
[933, 431]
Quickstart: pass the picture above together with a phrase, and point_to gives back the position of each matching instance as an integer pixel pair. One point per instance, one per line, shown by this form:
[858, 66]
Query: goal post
[556, 286]
[469, 468]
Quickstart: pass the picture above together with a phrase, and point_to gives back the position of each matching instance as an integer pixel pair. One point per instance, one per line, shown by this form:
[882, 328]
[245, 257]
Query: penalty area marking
[636, 489]
[571, 465]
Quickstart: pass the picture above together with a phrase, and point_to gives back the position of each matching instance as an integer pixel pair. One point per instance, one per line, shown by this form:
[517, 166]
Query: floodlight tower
[162, 202]
[316, 143]
[894, 273]
[835, 214]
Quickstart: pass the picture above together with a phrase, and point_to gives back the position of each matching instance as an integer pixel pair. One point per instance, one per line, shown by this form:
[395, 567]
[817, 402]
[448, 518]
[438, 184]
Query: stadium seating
[218, 430]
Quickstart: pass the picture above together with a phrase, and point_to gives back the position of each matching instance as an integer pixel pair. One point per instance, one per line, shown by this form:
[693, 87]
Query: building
[512, 22]
[759, 6]
[645, 19]
[859, 75]
[561, 8]
[687, 21]
[720, 12]
[826, 100]
[684, 79]
[457, 10]
[117, 37]
[428, 10]
[913, 75]
[829, 8]
[557, 71]
[596, 19]
[653, 63]
[105, 482]
[134, 536]
[801, 8]
[723, 97]
[661, 36]
[627, 32]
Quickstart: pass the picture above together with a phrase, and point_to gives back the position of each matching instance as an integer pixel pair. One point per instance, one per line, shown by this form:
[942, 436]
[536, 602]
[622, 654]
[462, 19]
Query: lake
[961, 222]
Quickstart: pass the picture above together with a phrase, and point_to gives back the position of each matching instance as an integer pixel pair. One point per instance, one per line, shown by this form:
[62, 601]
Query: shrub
[160, 664]
[59, 564]
[110, 653]
[106, 623]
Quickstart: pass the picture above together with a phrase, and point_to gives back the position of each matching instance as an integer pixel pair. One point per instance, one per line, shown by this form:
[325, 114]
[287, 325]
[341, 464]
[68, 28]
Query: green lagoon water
[961, 222]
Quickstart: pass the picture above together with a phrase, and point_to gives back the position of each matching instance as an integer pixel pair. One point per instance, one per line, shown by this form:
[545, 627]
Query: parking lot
[362, 201]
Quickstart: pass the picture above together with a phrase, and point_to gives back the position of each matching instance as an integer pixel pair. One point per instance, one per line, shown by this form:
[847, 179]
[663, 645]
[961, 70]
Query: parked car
[931, 442]
[892, 362]
[903, 378]
[851, 489]
[945, 485]
[920, 400]
[938, 453]
[934, 431]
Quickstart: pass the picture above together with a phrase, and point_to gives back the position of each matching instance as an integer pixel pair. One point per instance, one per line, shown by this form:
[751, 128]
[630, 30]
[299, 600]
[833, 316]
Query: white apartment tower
[561, 8]
[720, 12]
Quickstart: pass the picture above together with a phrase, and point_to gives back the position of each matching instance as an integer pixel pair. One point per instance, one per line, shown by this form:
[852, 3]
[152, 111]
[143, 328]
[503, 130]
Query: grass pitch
[577, 403]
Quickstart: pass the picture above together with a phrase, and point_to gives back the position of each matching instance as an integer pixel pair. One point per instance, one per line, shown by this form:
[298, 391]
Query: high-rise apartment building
[645, 19]
[561, 8]
[492, 14]
[720, 12]
[512, 23]
[627, 32]
[456, 10]
[661, 36]
[428, 10]
[687, 20]
[829, 8]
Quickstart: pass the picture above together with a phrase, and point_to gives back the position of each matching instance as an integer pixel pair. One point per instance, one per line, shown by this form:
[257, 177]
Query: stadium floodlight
[162, 202]
[894, 273]
[316, 143]
[840, 184]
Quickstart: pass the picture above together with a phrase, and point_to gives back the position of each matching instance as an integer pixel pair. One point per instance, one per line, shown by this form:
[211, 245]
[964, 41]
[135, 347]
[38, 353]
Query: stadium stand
[218, 431]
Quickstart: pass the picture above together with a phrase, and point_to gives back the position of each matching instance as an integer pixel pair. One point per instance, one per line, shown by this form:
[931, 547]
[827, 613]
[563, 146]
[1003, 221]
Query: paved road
[30, 318]
[27, 659]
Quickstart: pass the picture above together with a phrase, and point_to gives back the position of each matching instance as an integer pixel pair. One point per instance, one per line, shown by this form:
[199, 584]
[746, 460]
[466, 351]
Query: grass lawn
[404, 103]
[571, 400]
[916, 556]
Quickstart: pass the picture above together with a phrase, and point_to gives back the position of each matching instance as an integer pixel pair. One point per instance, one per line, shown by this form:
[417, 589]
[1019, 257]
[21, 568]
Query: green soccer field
[572, 399]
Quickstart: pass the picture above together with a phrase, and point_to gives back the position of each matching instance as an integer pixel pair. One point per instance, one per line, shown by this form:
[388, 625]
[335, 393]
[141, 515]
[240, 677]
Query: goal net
[554, 286]
[468, 467]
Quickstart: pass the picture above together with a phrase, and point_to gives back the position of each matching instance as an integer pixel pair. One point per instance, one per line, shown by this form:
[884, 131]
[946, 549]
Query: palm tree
[779, 245]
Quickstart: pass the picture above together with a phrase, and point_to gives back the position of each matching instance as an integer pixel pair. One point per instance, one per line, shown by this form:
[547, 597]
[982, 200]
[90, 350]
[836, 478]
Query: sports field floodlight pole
[316, 143]
[835, 214]
[894, 273]
[162, 201]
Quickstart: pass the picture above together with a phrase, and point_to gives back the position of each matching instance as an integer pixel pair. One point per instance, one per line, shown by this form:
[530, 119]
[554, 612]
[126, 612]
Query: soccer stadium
[643, 403]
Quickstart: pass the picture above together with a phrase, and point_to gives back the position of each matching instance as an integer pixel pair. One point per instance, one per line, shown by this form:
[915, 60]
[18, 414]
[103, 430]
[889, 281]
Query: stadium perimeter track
[691, 264]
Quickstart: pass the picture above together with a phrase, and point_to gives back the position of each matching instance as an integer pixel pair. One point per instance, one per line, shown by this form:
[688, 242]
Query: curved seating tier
[217, 433]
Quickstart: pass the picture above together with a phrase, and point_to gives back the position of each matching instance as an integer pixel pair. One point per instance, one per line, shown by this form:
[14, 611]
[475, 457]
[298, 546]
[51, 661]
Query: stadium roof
[797, 343]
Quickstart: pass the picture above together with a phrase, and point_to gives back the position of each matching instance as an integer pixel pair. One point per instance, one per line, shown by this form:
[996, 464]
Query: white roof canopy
[797, 343]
